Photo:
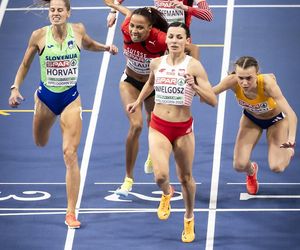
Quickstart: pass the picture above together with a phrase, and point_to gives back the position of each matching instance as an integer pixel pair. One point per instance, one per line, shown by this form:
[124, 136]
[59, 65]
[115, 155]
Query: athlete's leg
[43, 119]
[184, 150]
[149, 105]
[279, 158]
[128, 95]
[247, 137]
[160, 151]
[71, 126]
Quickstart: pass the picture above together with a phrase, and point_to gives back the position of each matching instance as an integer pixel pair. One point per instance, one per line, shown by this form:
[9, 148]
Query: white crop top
[170, 86]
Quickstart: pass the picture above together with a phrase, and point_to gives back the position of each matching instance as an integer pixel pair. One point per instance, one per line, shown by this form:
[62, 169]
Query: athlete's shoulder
[156, 42]
[38, 34]
[269, 77]
[78, 27]
[158, 35]
[155, 62]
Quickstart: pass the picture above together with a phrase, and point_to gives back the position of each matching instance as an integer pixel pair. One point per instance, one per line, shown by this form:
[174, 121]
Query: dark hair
[155, 18]
[247, 61]
[47, 2]
[182, 25]
[190, 3]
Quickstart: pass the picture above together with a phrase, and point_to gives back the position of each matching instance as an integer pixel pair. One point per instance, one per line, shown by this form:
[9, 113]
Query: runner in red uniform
[144, 34]
[177, 11]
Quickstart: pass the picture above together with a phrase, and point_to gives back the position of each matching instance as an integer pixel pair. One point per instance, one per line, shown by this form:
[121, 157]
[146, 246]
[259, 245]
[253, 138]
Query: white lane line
[138, 183]
[219, 131]
[32, 183]
[246, 196]
[151, 210]
[265, 183]
[3, 8]
[91, 130]
[135, 7]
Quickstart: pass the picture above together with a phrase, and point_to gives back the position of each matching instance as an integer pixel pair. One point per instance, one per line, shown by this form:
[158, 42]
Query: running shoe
[125, 188]
[188, 234]
[251, 180]
[71, 221]
[148, 166]
[164, 209]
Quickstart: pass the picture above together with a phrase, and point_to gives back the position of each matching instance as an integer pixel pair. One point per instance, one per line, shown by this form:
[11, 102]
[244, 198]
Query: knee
[161, 178]
[186, 179]
[277, 168]
[136, 128]
[240, 165]
[70, 156]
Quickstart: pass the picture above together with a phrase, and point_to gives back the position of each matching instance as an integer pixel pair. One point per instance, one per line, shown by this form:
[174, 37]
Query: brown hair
[247, 61]
[182, 25]
[47, 3]
[155, 18]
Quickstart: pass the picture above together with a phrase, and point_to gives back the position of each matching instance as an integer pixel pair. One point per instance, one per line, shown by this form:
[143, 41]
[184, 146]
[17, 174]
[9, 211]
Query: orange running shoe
[164, 209]
[71, 221]
[251, 180]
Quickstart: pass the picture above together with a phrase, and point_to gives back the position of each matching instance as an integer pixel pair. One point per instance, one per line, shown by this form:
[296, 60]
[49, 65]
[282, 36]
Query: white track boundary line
[91, 130]
[219, 131]
[3, 8]
[135, 7]
[144, 210]
[266, 183]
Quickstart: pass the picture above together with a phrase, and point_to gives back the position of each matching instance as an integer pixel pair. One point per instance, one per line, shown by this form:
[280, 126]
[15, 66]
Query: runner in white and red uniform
[144, 35]
[171, 126]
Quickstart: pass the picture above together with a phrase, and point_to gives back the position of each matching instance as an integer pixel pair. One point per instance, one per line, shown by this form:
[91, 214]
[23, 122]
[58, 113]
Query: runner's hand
[111, 19]
[131, 107]
[113, 49]
[15, 98]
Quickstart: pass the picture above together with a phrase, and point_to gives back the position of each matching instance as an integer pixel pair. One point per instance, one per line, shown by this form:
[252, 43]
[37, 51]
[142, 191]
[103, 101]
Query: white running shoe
[125, 188]
[148, 166]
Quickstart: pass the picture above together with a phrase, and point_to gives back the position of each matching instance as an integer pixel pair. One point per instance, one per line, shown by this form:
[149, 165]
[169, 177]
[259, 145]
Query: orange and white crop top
[261, 104]
[170, 85]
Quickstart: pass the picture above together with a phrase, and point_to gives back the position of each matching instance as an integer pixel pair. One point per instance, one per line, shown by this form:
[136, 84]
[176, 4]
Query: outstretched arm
[15, 96]
[202, 85]
[272, 89]
[229, 82]
[147, 89]
[90, 44]
[202, 11]
[122, 9]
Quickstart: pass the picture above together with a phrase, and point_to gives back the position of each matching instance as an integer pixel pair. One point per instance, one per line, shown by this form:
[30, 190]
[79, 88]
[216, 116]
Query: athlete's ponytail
[155, 18]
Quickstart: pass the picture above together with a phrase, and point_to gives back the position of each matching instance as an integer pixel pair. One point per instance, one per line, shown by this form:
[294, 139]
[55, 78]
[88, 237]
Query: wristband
[13, 87]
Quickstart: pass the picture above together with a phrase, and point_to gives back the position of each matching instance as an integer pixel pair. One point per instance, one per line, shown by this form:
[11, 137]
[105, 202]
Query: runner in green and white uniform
[59, 71]
[59, 48]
